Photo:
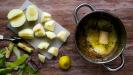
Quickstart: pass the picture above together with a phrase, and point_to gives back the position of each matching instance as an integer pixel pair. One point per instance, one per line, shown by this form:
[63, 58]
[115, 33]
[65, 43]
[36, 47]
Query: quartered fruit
[53, 50]
[43, 45]
[39, 30]
[26, 34]
[32, 13]
[63, 35]
[45, 17]
[49, 25]
[50, 35]
[16, 17]
[41, 58]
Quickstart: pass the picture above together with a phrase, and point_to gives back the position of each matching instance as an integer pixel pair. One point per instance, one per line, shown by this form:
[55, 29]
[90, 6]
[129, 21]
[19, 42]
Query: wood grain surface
[62, 11]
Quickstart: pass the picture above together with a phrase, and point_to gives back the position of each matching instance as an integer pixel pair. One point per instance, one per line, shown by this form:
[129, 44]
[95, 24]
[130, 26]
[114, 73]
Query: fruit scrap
[25, 47]
[9, 49]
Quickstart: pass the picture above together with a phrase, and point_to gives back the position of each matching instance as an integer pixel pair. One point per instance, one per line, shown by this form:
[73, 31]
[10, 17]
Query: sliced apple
[26, 34]
[49, 25]
[18, 21]
[45, 17]
[13, 13]
[39, 30]
[16, 17]
[50, 35]
[53, 50]
[41, 58]
[43, 45]
[32, 13]
[63, 35]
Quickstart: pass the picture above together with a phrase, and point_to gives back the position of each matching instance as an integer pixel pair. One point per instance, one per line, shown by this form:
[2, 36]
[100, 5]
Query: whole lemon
[64, 62]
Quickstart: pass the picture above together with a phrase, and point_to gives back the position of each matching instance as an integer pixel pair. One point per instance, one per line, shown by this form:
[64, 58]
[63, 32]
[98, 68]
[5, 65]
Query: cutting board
[34, 42]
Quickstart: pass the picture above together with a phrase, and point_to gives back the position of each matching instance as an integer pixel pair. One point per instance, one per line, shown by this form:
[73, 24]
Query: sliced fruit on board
[62, 35]
[49, 25]
[41, 58]
[50, 35]
[26, 34]
[32, 13]
[45, 17]
[16, 17]
[13, 13]
[39, 30]
[43, 45]
[53, 50]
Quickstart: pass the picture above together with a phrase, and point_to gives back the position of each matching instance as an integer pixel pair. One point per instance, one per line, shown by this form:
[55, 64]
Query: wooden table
[62, 11]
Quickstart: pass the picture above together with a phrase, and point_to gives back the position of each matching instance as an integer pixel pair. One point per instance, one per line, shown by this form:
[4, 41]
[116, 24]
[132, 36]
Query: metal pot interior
[85, 24]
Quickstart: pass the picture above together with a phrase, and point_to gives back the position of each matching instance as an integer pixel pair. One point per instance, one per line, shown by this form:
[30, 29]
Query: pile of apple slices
[44, 29]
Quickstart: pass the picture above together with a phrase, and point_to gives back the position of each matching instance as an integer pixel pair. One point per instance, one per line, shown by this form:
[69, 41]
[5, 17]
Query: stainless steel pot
[119, 27]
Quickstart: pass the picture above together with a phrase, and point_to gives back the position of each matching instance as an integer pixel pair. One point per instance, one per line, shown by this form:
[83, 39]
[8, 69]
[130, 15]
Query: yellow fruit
[32, 13]
[65, 62]
[26, 34]
[16, 17]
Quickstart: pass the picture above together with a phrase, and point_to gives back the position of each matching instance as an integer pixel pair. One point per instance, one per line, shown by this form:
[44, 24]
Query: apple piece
[50, 35]
[103, 38]
[45, 17]
[18, 21]
[41, 58]
[43, 45]
[26, 34]
[39, 30]
[32, 13]
[63, 35]
[53, 50]
[49, 25]
[13, 13]
[16, 17]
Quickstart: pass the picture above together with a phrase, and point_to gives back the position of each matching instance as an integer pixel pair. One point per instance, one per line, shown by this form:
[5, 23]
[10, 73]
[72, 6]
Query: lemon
[64, 62]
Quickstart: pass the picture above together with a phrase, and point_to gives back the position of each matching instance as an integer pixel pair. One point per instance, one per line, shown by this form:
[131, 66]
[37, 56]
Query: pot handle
[117, 68]
[77, 9]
